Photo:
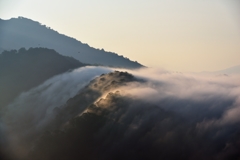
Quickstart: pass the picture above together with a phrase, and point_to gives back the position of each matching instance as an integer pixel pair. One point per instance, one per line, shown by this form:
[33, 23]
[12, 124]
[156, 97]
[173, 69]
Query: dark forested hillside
[23, 69]
[106, 121]
[23, 32]
[120, 126]
[112, 129]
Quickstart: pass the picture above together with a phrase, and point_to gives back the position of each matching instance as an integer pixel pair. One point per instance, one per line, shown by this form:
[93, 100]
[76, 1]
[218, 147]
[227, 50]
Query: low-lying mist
[201, 110]
[158, 114]
[215, 97]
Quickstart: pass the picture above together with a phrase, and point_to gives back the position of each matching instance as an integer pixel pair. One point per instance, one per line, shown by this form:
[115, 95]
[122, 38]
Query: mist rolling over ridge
[127, 116]
[62, 99]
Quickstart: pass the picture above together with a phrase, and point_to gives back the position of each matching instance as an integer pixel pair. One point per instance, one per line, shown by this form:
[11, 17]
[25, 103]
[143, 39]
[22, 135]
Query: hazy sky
[186, 35]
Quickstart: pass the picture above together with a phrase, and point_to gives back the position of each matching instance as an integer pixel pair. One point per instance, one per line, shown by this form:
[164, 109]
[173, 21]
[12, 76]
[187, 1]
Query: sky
[186, 35]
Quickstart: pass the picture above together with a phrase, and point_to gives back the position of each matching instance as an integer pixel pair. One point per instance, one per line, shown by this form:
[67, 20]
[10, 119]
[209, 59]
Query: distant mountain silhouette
[225, 72]
[23, 32]
[231, 70]
[23, 69]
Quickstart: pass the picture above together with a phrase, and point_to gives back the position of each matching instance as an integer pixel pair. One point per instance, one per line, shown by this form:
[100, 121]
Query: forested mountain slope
[22, 32]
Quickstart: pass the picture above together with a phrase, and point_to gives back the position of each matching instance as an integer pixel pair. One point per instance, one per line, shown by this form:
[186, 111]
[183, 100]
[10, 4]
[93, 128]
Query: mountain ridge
[23, 32]
[106, 119]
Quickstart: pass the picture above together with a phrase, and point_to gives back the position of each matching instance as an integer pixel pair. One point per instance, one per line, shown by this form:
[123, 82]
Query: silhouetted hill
[23, 69]
[23, 32]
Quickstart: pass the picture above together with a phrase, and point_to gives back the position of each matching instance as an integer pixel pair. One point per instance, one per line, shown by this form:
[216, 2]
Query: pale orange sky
[186, 35]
